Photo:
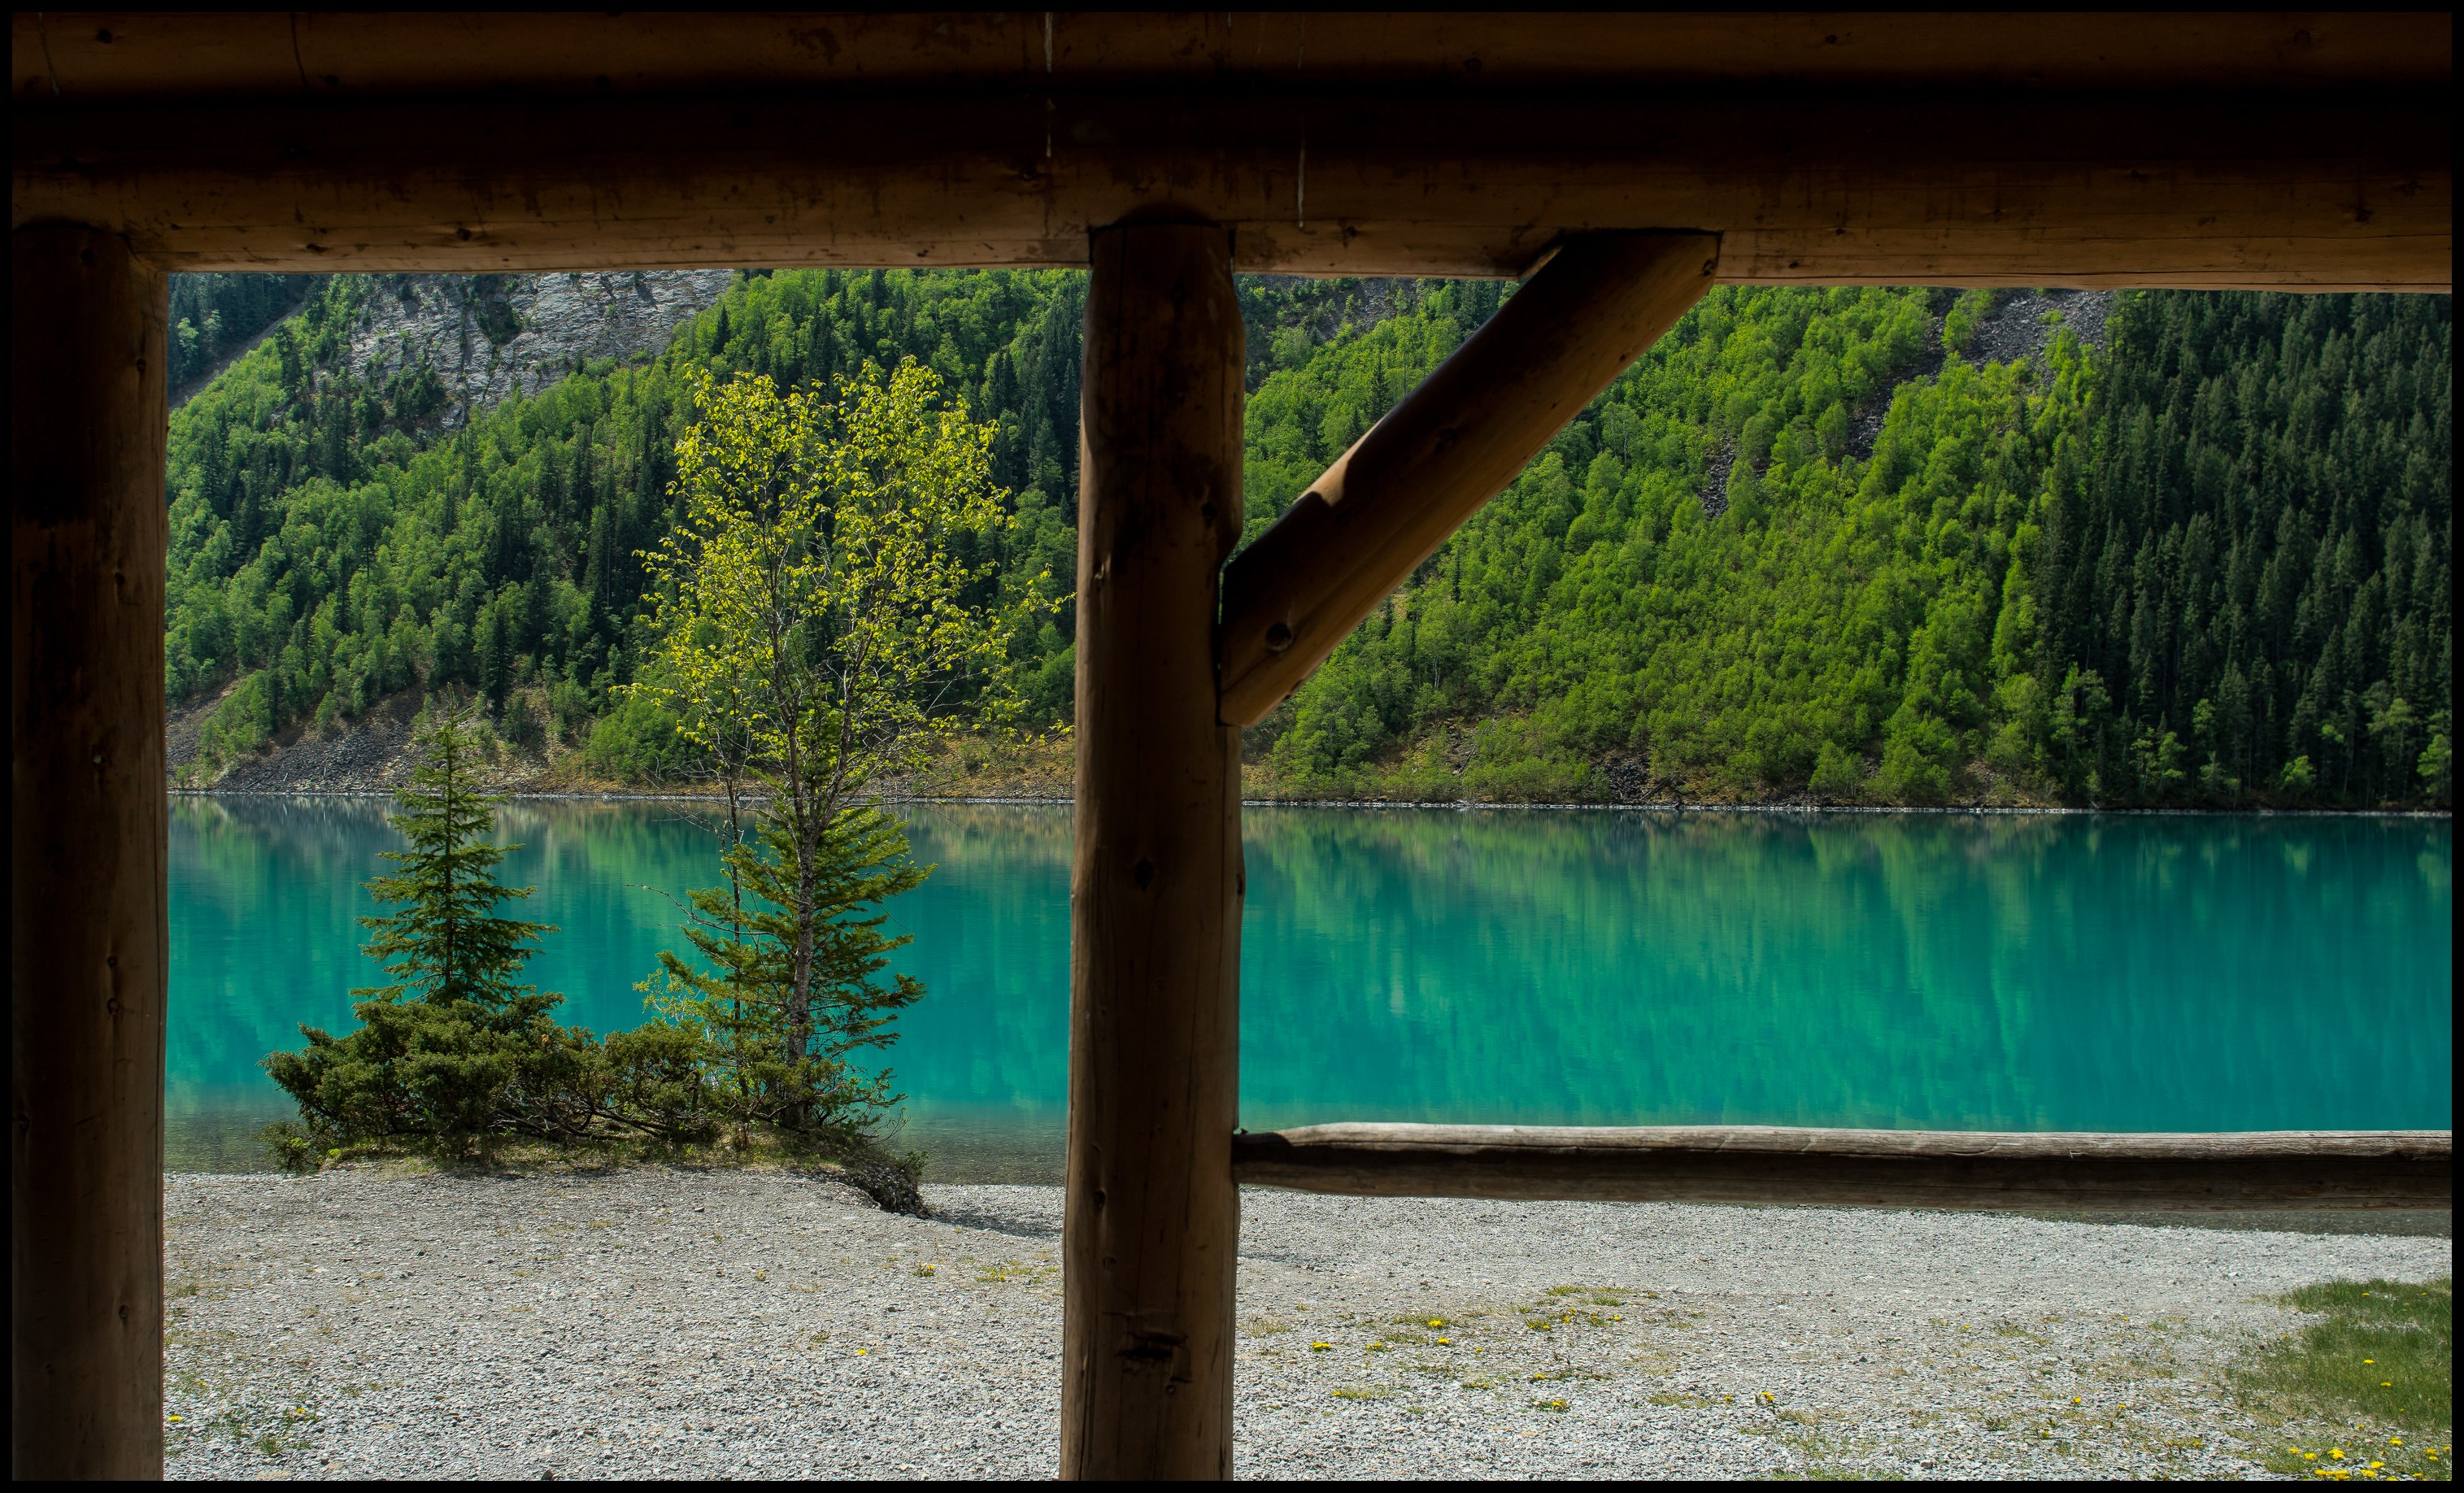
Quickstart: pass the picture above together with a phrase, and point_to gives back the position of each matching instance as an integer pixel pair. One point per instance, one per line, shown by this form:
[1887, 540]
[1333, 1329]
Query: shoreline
[1461, 806]
[662, 1322]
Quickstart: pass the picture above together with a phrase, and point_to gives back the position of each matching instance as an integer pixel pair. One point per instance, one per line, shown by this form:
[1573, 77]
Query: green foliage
[2210, 564]
[828, 608]
[1683, 575]
[331, 546]
[447, 946]
[456, 1057]
[453, 1052]
[214, 315]
[2256, 552]
[786, 998]
[637, 741]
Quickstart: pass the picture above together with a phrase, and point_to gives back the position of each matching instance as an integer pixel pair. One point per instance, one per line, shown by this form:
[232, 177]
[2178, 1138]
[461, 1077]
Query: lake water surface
[2125, 973]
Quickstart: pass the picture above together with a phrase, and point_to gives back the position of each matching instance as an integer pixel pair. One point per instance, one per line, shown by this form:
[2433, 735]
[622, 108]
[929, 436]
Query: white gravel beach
[673, 1323]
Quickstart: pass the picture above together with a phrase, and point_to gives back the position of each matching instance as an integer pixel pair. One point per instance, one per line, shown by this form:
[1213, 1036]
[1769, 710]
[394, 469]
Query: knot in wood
[1153, 1349]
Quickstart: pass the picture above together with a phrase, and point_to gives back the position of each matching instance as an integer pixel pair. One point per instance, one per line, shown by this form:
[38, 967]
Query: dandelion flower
[2336, 1452]
[861, 1351]
[1319, 1348]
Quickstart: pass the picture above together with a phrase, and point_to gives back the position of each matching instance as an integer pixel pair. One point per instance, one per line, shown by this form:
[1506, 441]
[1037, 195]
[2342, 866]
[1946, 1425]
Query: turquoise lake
[1940, 971]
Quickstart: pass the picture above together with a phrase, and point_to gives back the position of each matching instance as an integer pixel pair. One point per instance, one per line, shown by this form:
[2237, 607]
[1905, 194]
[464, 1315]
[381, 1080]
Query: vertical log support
[87, 824]
[1152, 1220]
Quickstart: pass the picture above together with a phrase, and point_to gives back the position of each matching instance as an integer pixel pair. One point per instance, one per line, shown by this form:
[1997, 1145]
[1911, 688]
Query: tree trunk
[88, 816]
[1152, 1218]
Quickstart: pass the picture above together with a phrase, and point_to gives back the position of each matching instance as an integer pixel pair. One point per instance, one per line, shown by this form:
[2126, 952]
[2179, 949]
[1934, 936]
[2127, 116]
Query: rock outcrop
[488, 337]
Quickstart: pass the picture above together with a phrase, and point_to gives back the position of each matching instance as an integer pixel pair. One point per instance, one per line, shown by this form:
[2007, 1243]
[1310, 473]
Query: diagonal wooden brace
[1455, 443]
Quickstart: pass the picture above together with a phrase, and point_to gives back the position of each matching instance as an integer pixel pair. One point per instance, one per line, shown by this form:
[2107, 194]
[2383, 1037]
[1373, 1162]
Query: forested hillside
[214, 316]
[1816, 543]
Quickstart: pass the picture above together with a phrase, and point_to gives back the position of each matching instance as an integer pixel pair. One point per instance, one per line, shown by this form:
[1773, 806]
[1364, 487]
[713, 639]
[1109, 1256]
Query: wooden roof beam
[2318, 188]
[136, 55]
[1452, 445]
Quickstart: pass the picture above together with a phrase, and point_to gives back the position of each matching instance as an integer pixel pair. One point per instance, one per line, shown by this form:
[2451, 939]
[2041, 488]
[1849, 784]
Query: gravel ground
[681, 1323]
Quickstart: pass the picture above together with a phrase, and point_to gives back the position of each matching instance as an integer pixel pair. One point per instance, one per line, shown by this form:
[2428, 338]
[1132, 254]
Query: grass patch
[2372, 1380]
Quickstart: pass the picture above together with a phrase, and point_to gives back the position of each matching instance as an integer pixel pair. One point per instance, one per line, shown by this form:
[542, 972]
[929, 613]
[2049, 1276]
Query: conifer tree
[765, 1071]
[447, 945]
[455, 1051]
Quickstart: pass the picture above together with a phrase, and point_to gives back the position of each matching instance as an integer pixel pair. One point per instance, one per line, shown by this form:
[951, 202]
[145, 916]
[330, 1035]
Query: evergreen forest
[1818, 545]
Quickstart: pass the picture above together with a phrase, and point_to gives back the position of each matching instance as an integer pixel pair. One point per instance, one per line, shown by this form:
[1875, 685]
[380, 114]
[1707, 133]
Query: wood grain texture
[1896, 1169]
[88, 961]
[1453, 444]
[1150, 1218]
[1819, 184]
[191, 55]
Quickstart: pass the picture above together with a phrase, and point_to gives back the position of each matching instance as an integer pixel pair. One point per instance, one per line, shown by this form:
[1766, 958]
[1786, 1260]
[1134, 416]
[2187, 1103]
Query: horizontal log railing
[2235, 1171]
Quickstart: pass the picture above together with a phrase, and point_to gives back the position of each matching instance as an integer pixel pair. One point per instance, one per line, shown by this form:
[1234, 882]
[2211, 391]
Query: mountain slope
[1873, 545]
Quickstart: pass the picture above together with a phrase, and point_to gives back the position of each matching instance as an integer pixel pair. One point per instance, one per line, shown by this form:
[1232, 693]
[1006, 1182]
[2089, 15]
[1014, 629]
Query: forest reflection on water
[2127, 973]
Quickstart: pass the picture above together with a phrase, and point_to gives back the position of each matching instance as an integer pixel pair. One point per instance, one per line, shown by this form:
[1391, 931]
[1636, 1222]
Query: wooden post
[88, 933]
[1152, 1220]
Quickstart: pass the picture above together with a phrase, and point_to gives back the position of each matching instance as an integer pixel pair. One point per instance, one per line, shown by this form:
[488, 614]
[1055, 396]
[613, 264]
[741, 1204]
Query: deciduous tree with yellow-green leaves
[828, 610]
